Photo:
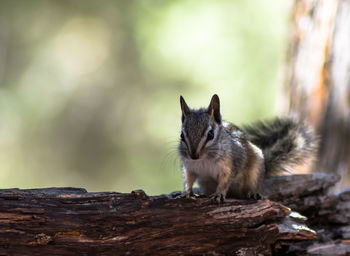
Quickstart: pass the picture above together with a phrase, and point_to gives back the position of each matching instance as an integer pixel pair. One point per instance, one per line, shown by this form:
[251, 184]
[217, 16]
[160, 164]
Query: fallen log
[71, 221]
[328, 214]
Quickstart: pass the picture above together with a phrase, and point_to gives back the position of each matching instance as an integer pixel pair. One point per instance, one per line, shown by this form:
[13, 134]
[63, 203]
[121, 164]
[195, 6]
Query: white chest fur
[205, 167]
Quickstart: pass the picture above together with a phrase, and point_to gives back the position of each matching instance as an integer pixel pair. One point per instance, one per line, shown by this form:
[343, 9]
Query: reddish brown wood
[68, 221]
[319, 80]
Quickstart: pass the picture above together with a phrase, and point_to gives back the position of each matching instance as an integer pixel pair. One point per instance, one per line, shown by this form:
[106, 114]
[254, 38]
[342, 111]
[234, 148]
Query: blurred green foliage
[89, 90]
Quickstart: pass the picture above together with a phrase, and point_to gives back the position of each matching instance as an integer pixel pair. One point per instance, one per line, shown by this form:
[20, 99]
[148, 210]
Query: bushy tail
[285, 143]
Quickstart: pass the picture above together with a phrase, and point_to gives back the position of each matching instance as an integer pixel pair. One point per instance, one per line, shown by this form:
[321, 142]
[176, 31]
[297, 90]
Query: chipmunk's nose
[194, 155]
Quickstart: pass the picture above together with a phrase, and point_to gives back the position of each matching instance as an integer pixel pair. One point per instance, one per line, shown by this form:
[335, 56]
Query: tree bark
[320, 79]
[327, 214]
[69, 221]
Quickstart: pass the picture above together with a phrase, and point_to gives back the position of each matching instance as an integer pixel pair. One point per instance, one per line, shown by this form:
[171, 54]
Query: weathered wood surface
[69, 221]
[328, 214]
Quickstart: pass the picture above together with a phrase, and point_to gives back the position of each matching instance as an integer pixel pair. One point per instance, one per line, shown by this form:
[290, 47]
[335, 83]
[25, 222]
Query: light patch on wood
[313, 34]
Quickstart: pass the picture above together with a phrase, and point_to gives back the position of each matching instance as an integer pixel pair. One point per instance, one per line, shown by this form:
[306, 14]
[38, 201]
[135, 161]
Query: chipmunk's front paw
[217, 198]
[184, 195]
[255, 196]
[188, 195]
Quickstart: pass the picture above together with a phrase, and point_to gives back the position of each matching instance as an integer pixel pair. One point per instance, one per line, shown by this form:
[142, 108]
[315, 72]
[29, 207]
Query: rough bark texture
[320, 79]
[328, 214]
[71, 221]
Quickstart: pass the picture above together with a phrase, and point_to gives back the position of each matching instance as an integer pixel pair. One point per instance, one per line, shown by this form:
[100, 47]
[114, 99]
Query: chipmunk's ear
[185, 109]
[214, 108]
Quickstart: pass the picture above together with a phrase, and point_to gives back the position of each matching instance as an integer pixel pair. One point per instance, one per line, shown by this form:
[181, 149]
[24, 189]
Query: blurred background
[89, 90]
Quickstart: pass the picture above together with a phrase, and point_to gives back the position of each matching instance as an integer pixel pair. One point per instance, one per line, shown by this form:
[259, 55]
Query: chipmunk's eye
[210, 135]
[182, 136]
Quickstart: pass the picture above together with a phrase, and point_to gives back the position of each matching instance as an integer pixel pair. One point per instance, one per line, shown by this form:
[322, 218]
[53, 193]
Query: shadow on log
[71, 221]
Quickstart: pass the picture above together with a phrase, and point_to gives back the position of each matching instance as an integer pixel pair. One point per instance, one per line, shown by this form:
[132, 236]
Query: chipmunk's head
[200, 129]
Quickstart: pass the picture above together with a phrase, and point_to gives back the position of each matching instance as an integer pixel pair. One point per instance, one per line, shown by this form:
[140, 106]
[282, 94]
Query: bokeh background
[89, 90]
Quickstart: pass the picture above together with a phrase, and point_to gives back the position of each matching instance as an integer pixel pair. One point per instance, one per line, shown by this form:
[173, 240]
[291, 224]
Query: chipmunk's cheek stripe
[185, 143]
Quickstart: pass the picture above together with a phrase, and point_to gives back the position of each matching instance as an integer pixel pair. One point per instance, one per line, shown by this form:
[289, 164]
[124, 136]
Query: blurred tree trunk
[319, 82]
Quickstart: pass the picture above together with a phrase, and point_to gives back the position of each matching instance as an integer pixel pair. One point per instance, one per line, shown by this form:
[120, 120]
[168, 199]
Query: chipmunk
[230, 161]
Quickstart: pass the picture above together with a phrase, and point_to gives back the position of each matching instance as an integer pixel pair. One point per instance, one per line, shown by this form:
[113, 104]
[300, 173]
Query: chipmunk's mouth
[194, 156]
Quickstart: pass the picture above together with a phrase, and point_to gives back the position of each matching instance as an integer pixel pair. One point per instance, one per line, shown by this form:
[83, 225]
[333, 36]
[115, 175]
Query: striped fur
[228, 160]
